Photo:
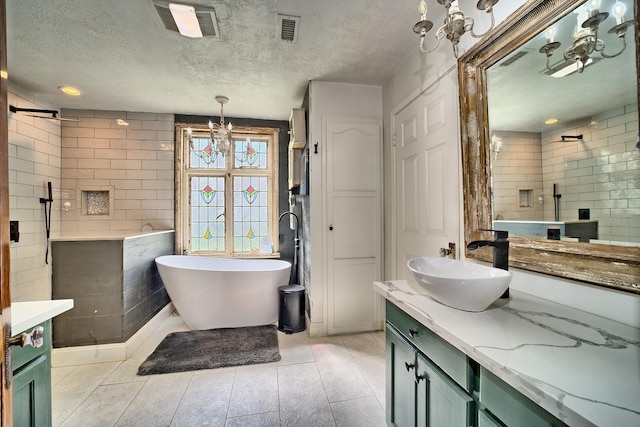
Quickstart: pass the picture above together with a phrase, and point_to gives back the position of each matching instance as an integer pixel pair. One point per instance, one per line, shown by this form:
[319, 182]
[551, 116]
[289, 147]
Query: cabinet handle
[409, 366]
[419, 378]
[413, 332]
[35, 338]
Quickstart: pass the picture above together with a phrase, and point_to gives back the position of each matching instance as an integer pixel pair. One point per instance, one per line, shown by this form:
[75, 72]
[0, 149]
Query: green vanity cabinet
[431, 383]
[418, 392]
[32, 383]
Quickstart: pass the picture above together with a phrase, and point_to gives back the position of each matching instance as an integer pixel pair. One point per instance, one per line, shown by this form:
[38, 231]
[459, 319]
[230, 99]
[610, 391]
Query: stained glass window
[232, 199]
[251, 153]
[207, 214]
[250, 207]
[203, 155]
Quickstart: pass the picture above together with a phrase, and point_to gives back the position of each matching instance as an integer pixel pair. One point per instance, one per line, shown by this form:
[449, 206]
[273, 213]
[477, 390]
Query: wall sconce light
[585, 39]
[66, 206]
[456, 24]
[496, 145]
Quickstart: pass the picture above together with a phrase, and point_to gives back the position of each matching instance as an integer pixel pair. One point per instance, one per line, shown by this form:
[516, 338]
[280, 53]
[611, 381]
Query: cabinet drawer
[511, 407]
[22, 355]
[453, 362]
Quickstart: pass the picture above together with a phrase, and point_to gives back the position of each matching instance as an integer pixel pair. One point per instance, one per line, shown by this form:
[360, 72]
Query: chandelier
[585, 38]
[220, 137]
[456, 23]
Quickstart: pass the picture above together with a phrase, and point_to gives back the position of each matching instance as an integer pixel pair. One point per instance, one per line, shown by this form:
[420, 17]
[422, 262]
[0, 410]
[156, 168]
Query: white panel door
[354, 224]
[426, 174]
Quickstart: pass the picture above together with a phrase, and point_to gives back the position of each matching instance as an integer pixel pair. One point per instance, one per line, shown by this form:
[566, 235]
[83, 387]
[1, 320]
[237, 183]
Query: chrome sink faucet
[500, 251]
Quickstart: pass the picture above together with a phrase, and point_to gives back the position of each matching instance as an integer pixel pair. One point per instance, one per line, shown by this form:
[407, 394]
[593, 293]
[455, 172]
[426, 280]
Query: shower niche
[96, 202]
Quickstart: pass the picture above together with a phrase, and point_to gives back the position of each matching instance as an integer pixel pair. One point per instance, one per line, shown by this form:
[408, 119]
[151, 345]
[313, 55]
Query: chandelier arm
[439, 35]
[548, 63]
[493, 22]
[598, 45]
[624, 46]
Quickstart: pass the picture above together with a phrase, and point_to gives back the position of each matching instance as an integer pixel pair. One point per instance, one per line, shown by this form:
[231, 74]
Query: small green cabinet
[419, 393]
[431, 383]
[32, 383]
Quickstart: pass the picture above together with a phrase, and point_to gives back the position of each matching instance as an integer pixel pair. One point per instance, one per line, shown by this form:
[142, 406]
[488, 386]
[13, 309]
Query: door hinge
[393, 140]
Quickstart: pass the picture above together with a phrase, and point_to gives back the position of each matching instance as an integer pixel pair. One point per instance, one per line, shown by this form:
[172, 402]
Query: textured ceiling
[121, 57]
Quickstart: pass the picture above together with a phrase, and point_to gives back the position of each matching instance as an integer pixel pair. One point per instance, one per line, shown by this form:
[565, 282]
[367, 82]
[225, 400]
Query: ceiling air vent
[288, 28]
[206, 18]
[514, 58]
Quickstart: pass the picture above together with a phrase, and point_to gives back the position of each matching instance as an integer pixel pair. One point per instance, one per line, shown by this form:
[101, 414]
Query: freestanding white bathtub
[214, 293]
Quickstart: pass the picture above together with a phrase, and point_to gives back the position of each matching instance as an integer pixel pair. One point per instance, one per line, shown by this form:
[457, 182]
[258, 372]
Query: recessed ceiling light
[70, 90]
[551, 121]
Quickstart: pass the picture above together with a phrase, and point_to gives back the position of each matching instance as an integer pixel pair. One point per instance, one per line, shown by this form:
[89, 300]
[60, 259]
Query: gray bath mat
[213, 348]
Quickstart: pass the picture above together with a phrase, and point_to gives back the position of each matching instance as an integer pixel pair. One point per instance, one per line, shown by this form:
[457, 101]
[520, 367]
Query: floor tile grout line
[78, 406]
[132, 400]
[175, 412]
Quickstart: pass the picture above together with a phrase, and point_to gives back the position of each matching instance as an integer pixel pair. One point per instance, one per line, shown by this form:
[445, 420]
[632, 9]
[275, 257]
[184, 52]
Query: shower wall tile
[34, 158]
[599, 173]
[517, 167]
[137, 158]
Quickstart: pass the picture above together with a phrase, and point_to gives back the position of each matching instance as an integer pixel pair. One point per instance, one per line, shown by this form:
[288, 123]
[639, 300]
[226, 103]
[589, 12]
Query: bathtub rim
[281, 263]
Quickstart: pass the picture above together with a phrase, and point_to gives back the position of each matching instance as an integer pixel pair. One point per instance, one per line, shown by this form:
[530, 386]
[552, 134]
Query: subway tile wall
[134, 163]
[34, 159]
[600, 173]
[516, 171]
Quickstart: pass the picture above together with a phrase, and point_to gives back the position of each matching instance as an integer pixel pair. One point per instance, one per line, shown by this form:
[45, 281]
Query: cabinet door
[440, 401]
[354, 223]
[400, 398]
[32, 394]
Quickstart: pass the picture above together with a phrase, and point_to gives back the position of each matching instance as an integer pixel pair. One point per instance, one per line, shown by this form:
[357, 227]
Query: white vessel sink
[459, 284]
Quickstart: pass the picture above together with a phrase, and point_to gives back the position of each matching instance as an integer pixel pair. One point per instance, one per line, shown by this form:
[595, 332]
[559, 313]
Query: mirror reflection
[563, 125]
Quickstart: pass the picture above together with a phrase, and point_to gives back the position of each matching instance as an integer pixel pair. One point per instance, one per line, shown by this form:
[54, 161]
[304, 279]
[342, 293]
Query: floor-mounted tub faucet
[500, 251]
[296, 243]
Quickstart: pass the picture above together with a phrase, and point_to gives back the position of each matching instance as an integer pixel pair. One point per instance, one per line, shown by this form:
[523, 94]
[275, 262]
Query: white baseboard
[86, 354]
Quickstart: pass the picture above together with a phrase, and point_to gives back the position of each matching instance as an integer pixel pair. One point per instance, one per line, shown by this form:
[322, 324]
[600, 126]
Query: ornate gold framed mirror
[596, 262]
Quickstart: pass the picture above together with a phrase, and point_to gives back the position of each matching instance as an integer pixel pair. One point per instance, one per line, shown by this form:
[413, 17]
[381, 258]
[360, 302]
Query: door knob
[35, 338]
[450, 251]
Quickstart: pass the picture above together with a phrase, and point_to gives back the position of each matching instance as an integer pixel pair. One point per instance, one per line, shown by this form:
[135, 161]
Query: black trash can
[291, 318]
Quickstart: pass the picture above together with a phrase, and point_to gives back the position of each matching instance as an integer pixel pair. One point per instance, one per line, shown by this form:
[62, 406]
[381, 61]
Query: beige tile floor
[329, 381]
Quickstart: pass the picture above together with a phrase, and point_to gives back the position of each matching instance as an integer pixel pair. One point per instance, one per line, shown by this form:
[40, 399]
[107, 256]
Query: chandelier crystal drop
[220, 134]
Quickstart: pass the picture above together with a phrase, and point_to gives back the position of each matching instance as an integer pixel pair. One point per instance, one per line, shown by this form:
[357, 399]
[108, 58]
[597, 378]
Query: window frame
[183, 189]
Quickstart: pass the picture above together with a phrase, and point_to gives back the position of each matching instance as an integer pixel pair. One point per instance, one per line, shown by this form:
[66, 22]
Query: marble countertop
[582, 368]
[26, 315]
